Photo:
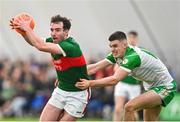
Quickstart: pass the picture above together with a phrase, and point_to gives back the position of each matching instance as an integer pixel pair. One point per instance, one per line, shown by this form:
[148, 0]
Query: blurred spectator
[26, 86]
[22, 83]
[101, 105]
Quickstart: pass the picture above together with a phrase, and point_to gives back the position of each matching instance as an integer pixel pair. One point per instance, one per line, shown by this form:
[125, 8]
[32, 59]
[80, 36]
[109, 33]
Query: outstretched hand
[18, 24]
[83, 84]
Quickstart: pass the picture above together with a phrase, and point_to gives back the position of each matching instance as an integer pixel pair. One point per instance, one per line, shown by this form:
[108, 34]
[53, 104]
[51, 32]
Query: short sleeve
[130, 62]
[66, 48]
[110, 58]
[49, 39]
[70, 48]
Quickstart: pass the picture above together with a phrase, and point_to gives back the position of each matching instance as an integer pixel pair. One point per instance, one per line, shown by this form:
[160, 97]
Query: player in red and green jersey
[143, 65]
[67, 101]
[68, 64]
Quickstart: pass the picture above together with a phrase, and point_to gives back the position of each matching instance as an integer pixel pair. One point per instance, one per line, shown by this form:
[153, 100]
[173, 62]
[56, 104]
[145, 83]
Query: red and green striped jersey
[70, 65]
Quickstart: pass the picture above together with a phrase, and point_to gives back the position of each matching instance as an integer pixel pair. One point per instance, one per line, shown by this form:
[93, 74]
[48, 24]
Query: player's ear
[66, 32]
[125, 43]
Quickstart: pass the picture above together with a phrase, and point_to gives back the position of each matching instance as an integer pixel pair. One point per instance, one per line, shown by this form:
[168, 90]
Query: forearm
[108, 81]
[91, 69]
[27, 40]
[33, 39]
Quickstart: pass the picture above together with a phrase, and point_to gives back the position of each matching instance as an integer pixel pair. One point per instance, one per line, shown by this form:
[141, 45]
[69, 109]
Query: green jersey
[130, 80]
[143, 66]
[70, 65]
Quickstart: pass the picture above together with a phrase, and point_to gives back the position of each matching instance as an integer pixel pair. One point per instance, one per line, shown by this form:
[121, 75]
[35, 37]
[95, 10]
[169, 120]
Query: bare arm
[27, 39]
[33, 39]
[107, 81]
[93, 68]
[111, 80]
[40, 44]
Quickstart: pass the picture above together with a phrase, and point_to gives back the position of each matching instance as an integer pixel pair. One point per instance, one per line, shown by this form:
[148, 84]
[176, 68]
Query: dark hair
[134, 33]
[118, 35]
[58, 18]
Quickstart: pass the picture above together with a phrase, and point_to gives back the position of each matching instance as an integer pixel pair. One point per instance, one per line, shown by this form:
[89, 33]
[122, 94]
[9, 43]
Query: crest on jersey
[125, 61]
[119, 61]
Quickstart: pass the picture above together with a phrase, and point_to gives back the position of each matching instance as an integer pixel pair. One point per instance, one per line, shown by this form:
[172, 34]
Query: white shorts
[74, 103]
[129, 91]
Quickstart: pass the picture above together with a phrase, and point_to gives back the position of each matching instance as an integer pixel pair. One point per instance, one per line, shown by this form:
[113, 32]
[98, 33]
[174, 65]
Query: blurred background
[27, 76]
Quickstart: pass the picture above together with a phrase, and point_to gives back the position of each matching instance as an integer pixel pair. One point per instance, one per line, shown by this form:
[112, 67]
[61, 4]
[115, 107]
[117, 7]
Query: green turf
[35, 119]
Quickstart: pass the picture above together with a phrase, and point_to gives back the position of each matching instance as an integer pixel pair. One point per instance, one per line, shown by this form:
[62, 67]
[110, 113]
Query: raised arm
[93, 68]
[33, 39]
[40, 44]
[27, 39]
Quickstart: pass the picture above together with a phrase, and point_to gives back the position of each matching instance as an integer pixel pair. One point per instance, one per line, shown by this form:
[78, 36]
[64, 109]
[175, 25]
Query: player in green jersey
[67, 101]
[142, 65]
[128, 88]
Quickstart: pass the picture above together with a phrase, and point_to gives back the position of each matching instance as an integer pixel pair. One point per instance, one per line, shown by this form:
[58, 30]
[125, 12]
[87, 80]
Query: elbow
[39, 47]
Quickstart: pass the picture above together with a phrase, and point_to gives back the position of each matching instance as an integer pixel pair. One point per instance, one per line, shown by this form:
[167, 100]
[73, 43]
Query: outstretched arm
[33, 39]
[27, 39]
[107, 81]
[93, 68]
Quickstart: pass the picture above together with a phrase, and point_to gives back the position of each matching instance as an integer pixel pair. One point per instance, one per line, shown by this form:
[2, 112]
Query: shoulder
[132, 53]
[110, 58]
[70, 47]
[131, 59]
[69, 42]
[49, 39]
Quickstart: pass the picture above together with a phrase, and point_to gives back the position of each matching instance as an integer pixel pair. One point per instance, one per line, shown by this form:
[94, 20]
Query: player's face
[132, 40]
[118, 48]
[57, 32]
